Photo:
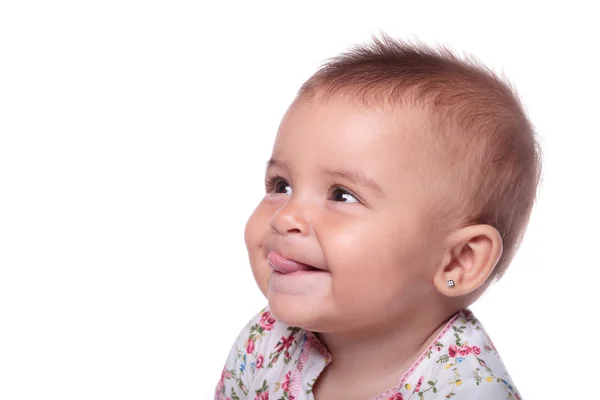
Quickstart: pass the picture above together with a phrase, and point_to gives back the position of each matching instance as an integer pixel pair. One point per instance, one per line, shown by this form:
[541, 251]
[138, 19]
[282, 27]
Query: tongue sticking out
[285, 266]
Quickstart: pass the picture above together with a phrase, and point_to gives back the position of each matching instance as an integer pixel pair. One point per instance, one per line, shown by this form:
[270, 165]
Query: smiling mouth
[283, 271]
[286, 266]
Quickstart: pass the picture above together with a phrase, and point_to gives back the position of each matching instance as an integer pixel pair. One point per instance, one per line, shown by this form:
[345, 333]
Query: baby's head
[397, 171]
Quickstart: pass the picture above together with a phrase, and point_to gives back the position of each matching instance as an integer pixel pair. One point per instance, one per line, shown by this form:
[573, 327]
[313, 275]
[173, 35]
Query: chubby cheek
[255, 234]
[373, 271]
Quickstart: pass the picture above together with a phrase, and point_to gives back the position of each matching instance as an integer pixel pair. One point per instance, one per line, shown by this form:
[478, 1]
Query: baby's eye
[277, 185]
[344, 196]
[283, 187]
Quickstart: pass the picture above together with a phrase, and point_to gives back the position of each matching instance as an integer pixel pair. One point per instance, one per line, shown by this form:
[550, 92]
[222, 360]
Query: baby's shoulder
[465, 363]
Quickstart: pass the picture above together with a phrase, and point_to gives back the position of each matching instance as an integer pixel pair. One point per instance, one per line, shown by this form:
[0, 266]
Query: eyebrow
[352, 175]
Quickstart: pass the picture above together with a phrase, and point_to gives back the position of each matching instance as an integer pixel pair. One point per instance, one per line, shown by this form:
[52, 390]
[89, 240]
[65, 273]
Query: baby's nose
[290, 219]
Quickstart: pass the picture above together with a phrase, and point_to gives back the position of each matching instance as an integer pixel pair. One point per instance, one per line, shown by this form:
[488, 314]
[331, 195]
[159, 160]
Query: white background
[133, 137]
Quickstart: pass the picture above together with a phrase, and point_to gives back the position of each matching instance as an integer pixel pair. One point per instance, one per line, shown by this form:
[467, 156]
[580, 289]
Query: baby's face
[344, 204]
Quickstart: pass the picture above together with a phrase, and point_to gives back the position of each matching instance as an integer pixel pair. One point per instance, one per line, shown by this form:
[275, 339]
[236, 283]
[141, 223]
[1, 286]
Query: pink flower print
[285, 343]
[419, 384]
[262, 396]
[452, 350]
[476, 350]
[260, 360]
[224, 375]
[220, 388]
[267, 321]
[464, 350]
[397, 396]
[250, 346]
[286, 383]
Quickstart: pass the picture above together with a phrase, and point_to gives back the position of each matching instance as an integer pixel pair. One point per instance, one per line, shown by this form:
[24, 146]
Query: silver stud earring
[450, 283]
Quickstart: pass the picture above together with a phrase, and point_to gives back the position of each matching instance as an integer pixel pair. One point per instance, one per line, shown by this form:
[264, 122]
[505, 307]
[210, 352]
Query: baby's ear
[471, 254]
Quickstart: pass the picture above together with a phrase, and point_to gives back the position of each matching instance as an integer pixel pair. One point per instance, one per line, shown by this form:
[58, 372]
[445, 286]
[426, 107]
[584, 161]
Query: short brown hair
[483, 143]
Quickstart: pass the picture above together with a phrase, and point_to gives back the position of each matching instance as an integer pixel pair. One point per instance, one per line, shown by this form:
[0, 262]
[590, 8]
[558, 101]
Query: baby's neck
[373, 362]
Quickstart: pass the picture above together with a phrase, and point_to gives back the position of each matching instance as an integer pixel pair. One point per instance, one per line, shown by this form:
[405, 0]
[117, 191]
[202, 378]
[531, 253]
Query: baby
[400, 185]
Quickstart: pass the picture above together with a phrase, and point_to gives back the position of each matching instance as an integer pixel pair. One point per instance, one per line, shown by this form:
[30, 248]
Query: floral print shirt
[274, 361]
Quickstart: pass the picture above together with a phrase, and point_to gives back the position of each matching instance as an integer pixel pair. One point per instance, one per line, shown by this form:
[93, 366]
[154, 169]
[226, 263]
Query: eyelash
[271, 183]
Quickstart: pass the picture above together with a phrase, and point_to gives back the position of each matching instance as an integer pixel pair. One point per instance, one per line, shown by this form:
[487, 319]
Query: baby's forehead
[337, 122]
[342, 135]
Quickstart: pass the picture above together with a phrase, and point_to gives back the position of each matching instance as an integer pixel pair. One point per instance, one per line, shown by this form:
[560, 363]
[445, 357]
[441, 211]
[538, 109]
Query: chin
[302, 314]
